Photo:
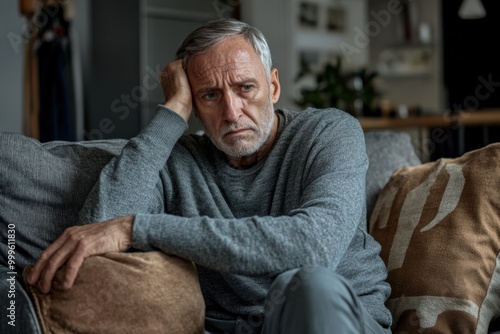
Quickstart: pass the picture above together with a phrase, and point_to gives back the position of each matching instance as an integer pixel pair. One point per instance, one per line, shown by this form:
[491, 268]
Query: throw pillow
[124, 293]
[439, 228]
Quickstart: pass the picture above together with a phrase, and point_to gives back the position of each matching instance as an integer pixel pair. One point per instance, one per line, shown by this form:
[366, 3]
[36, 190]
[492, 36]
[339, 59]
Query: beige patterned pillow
[124, 293]
[439, 227]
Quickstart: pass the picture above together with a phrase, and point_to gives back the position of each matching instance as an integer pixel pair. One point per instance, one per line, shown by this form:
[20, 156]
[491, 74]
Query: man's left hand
[76, 244]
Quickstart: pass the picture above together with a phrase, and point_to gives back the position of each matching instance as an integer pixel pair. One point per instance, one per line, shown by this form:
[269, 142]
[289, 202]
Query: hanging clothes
[51, 95]
[56, 108]
[31, 97]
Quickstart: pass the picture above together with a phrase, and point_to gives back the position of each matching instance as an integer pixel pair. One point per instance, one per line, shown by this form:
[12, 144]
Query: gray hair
[208, 35]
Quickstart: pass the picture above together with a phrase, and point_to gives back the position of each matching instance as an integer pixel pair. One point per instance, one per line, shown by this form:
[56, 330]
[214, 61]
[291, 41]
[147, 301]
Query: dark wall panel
[471, 63]
[113, 94]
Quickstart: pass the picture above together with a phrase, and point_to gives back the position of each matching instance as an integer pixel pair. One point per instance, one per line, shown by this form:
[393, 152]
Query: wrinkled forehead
[231, 54]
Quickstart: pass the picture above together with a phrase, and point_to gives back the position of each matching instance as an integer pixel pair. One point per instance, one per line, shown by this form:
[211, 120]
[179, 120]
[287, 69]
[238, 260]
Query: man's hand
[76, 244]
[176, 89]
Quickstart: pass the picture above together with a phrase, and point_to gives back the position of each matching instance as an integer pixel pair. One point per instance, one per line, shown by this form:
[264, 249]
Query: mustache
[236, 127]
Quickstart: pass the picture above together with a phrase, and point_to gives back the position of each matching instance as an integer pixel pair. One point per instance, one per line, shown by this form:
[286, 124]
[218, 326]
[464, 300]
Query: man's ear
[275, 86]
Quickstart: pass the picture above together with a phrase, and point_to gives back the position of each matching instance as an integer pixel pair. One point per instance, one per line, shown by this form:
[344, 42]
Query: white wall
[412, 90]
[273, 19]
[11, 60]
[278, 21]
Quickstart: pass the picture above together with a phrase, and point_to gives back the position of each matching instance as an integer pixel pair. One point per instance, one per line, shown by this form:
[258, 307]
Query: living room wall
[113, 59]
[11, 60]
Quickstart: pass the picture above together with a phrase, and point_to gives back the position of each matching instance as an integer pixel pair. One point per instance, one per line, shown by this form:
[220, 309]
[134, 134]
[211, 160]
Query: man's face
[233, 97]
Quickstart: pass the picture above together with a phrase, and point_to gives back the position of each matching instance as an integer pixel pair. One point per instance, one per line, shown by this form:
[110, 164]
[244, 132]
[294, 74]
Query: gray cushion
[43, 188]
[387, 151]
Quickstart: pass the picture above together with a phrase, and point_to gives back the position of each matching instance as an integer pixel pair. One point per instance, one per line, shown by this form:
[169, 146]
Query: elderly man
[270, 205]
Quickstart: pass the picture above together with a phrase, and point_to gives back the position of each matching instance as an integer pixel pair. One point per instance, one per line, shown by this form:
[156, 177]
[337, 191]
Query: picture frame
[336, 19]
[309, 14]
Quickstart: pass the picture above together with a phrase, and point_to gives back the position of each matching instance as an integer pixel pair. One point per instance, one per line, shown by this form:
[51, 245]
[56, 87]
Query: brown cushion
[439, 228]
[124, 293]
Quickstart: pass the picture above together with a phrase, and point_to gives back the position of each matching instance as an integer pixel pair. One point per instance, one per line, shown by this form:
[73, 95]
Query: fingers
[176, 88]
[71, 270]
[77, 243]
[70, 256]
[173, 78]
[37, 269]
[69, 251]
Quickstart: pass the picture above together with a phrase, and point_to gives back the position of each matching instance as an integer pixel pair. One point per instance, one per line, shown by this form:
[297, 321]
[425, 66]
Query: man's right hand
[176, 89]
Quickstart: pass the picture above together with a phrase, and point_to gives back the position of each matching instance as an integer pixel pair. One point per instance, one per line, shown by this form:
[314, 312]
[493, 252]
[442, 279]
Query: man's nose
[232, 108]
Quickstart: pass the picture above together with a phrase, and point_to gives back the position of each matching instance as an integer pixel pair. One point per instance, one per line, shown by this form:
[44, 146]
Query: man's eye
[246, 88]
[209, 96]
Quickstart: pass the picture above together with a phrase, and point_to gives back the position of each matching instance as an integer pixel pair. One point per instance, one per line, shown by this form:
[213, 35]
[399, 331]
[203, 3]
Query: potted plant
[354, 92]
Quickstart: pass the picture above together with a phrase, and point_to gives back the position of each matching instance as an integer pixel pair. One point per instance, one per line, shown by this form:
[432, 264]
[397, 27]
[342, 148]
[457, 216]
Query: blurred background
[83, 70]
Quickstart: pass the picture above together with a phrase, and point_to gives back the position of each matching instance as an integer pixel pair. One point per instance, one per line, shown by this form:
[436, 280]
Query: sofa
[49, 182]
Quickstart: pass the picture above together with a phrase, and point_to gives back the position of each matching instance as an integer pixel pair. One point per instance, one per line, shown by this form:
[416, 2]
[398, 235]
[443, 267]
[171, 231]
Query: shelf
[405, 61]
[474, 118]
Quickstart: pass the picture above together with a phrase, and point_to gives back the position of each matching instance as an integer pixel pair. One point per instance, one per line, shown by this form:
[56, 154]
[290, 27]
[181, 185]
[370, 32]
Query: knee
[311, 299]
[318, 279]
[313, 284]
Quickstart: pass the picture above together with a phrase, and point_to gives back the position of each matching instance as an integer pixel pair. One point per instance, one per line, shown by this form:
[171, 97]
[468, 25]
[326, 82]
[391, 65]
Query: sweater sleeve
[127, 185]
[319, 229]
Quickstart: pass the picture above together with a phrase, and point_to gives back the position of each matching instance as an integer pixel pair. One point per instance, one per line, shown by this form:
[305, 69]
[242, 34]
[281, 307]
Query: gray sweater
[304, 203]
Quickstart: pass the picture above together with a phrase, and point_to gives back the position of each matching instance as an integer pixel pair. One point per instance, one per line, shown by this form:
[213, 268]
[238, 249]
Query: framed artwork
[336, 19]
[309, 14]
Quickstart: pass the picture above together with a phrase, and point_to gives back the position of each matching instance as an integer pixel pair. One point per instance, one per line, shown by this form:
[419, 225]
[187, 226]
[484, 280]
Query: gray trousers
[310, 300]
